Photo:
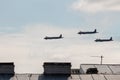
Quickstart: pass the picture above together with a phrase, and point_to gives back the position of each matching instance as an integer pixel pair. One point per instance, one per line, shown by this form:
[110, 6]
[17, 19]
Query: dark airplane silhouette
[59, 37]
[104, 40]
[88, 32]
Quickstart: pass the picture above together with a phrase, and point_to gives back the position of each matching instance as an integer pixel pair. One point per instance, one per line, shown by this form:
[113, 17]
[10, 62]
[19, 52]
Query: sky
[25, 23]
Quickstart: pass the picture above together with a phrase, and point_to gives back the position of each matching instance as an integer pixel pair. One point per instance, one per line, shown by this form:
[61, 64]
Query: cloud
[29, 50]
[94, 6]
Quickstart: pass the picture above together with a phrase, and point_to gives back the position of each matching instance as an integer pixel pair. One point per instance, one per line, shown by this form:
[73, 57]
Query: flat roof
[102, 68]
[57, 63]
[6, 63]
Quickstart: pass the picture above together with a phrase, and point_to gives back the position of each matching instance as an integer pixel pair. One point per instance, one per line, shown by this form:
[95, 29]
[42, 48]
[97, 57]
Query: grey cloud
[94, 6]
[95, 1]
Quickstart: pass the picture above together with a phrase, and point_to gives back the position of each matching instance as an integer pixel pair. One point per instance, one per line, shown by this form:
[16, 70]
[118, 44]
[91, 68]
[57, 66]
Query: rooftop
[102, 69]
[105, 72]
[58, 77]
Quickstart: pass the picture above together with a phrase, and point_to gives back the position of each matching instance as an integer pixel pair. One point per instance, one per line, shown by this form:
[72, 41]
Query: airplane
[88, 32]
[59, 37]
[104, 40]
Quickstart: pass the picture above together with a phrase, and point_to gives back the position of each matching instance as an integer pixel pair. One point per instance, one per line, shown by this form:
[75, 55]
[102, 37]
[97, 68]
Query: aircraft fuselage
[52, 38]
[59, 37]
[103, 40]
[88, 32]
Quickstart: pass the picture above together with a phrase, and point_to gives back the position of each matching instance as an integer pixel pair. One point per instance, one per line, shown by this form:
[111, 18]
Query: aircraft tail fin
[95, 30]
[111, 38]
[60, 36]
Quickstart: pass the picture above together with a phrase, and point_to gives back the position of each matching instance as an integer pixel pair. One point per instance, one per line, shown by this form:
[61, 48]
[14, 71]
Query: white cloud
[29, 50]
[94, 6]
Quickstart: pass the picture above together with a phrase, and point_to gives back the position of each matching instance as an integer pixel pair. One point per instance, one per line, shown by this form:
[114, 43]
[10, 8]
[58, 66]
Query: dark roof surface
[7, 63]
[57, 63]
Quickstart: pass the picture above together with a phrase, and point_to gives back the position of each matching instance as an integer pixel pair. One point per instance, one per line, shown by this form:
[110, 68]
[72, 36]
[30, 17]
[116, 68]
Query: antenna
[30, 75]
[101, 58]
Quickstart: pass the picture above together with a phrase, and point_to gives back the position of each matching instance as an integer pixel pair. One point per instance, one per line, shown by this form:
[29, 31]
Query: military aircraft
[88, 32]
[104, 40]
[59, 37]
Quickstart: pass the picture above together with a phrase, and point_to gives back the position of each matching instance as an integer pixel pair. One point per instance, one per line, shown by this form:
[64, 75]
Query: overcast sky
[25, 23]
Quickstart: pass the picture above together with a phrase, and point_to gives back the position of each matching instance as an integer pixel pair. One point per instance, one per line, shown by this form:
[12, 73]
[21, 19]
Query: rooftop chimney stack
[54, 68]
